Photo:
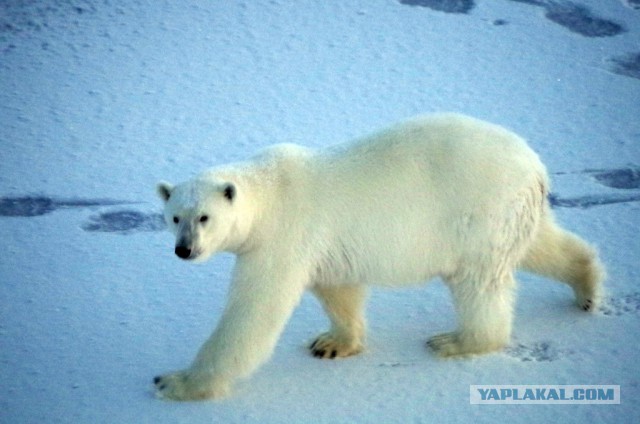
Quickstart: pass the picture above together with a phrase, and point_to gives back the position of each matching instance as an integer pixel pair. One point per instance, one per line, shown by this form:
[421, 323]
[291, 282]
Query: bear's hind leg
[344, 305]
[485, 315]
[563, 256]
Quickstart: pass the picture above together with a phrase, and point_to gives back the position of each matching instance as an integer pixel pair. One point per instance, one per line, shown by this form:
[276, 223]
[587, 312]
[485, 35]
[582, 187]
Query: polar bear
[443, 196]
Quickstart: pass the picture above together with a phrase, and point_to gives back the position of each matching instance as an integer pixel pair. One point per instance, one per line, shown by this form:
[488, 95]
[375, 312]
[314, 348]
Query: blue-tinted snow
[100, 100]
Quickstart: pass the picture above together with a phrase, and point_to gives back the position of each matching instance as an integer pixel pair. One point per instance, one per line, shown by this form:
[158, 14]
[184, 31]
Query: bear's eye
[176, 220]
[204, 218]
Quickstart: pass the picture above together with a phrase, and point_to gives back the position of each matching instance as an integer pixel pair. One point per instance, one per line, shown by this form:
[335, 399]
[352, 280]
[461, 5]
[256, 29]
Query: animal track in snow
[396, 364]
[537, 352]
[621, 305]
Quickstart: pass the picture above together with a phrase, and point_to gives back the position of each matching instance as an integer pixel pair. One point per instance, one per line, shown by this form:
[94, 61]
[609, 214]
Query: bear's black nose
[183, 252]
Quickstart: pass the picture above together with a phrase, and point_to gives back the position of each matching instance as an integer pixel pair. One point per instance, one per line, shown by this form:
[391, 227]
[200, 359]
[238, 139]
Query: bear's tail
[563, 256]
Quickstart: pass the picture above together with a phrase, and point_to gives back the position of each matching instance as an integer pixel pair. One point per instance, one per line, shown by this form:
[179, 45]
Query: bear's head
[204, 215]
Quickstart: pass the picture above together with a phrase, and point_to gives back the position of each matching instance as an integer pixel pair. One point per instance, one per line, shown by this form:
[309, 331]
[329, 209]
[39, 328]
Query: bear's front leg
[261, 299]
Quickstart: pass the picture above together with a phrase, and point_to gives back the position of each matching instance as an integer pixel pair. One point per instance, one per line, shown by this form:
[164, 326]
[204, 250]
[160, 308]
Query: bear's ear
[229, 191]
[164, 190]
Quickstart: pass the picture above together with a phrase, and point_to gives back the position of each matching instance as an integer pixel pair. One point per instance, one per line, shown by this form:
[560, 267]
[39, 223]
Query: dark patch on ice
[500, 22]
[125, 222]
[447, 6]
[591, 200]
[626, 178]
[32, 17]
[579, 19]
[538, 352]
[29, 206]
[621, 305]
[576, 18]
[633, 4]
[573, 16]
[623, 179]
[25, 16]
[628, 65]
[26, 206]
[531, 2]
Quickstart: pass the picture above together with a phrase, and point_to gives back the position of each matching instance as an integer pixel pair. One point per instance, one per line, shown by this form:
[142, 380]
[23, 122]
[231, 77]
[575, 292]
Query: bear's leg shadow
[484, 311]
[344, 304]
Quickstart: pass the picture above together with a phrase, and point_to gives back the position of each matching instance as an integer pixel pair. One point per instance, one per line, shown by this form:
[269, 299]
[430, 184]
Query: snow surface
[101, 99]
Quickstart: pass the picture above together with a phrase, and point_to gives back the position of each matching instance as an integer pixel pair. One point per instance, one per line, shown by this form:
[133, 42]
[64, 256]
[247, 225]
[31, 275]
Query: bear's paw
[329, 346]
[189, 385]
[453, 345]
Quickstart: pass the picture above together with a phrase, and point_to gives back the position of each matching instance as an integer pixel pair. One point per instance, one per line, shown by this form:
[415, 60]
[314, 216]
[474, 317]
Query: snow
[99, 100]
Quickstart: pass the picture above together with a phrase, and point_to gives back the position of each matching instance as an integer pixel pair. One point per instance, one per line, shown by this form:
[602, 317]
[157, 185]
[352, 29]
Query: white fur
[443, 195]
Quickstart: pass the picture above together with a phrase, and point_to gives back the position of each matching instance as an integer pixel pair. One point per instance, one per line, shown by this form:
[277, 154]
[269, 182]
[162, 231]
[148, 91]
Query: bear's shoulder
[283, 151]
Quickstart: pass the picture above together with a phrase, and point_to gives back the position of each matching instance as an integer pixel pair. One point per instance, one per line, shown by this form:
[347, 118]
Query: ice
[100, 100]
